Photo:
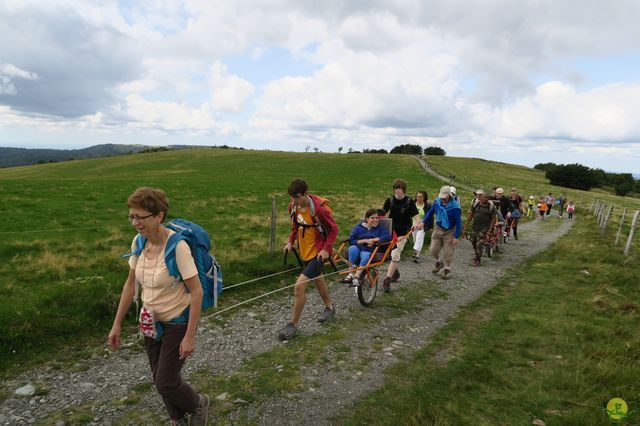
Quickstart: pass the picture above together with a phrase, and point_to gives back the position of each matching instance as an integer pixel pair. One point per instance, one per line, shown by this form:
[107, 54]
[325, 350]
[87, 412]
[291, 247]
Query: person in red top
[315, 231]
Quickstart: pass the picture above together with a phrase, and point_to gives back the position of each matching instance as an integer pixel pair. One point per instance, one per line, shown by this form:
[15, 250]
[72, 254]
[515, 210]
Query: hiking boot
[447, 271]
[386, 285]
[200, 416]
[476, 262]
[396, 276]
[288, 331]
[416, 258]
[326, 314]
[437, 268]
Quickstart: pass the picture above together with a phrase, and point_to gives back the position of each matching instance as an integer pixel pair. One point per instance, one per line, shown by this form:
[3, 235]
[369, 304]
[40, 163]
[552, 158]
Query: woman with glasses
[171, 309]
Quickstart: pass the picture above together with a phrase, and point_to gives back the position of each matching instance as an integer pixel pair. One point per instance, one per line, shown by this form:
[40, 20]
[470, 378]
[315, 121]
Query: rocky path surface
[101, 385]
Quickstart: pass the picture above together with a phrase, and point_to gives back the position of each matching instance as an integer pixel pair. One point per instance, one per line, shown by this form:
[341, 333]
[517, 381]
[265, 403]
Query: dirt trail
[106, 381]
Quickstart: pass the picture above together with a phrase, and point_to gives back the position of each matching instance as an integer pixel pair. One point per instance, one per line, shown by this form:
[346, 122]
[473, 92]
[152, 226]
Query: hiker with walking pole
[315, 231]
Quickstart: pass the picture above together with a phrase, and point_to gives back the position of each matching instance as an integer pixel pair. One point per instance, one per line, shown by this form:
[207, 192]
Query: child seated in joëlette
[363, 239]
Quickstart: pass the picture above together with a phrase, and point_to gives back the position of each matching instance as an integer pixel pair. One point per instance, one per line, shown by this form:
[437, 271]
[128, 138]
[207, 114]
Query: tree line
[582, 177]
[407, 148]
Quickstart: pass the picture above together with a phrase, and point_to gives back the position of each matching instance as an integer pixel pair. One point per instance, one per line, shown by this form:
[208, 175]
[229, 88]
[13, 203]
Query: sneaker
[348, 279]
[416, 258]
[386, 285]
[396, 276]
[288, 331]
[326, 314]
[200, 416]
[355, 282]
[437, 268]
[445, 276]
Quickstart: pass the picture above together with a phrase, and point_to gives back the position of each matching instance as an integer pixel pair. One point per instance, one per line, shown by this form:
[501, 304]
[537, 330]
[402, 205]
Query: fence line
[602, 213]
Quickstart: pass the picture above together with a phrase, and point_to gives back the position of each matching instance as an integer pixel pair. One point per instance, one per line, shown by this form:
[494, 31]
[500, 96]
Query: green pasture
[66, 227]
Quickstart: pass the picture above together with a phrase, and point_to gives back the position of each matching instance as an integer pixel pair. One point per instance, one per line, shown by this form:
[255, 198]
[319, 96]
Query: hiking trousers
[479, 242]
[442, 248]
[164, 356]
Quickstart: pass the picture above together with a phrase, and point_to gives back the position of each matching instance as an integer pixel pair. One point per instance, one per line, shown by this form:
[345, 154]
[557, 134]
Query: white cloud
[608, 114]
[229, 92]
[168, 116]
[9, 72]
[405, 89]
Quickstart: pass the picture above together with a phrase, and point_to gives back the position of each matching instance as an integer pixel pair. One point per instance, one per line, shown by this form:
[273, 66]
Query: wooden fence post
[624, 213]
[600, 213]
[272, 234]
[634, 222]
[605, 220]
[593, 204]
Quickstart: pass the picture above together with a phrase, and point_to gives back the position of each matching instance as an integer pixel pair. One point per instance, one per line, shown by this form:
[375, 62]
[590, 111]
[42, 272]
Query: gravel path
[103, 386]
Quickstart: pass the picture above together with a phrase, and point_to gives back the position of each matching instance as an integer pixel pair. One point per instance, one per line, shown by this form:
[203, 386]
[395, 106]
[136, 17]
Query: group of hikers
[172, 301]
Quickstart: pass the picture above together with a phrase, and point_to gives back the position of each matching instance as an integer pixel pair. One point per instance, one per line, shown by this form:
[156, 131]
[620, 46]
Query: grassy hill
[62, 272]
[67, 225]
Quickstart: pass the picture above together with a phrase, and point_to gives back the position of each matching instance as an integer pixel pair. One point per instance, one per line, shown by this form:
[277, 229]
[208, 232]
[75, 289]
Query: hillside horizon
[20, 156]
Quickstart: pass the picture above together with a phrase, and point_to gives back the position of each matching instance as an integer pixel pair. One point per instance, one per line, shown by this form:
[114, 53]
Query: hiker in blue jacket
[446, 232]
[362, 239]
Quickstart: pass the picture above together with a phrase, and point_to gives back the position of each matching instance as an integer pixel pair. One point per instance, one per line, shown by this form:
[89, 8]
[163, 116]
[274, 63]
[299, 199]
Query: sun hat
[479, 192]
[453, 190]
[499, 191]
[531, 197]
[445, 192]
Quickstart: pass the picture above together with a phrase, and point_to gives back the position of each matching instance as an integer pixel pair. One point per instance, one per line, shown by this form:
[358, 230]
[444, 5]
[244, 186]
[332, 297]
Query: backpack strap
[170, 254]
[140, 243]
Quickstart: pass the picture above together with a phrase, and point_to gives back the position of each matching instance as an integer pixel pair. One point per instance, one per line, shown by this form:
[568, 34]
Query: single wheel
[489, 250]
[367, 289]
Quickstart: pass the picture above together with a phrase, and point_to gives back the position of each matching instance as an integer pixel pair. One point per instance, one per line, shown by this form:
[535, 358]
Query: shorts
[312, 268]
[396, 252]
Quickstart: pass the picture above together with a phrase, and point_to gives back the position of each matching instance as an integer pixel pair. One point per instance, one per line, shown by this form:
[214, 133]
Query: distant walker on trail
[315, 231]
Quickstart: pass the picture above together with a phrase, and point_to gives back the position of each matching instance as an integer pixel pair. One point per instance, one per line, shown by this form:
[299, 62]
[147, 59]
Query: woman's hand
[187, 346]
[114, 337]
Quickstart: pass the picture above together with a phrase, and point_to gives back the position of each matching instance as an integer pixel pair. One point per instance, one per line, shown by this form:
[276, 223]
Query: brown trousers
[164, 356]
[442, 248]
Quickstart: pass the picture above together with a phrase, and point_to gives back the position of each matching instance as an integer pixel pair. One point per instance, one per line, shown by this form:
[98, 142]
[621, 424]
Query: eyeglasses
[133, 217]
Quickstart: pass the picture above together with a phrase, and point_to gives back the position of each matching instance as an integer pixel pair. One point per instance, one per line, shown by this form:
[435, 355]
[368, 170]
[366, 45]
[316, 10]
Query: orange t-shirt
[543, 206]
[161, 292]
[306, 236]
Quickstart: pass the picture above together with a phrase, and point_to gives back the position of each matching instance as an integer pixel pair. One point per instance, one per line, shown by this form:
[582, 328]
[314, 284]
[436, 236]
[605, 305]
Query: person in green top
[418, 236]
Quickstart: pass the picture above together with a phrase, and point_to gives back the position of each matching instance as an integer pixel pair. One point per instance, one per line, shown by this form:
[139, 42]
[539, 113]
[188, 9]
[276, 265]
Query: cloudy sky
[515, 81]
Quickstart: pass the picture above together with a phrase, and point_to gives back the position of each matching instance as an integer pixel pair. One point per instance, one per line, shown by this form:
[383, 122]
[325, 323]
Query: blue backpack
[196, 237]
